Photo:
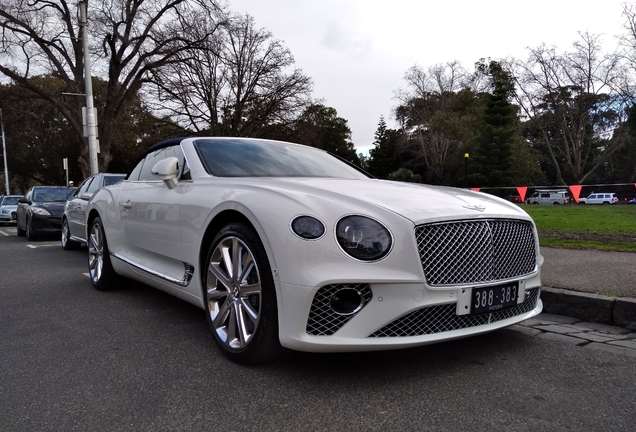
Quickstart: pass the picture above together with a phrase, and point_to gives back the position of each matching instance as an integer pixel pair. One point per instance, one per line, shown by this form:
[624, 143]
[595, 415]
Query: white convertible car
[286, 245]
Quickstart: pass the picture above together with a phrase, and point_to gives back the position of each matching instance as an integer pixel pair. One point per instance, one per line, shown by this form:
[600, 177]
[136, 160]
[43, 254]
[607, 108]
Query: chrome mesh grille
[478, 251]
[323, 321]
[443, 318]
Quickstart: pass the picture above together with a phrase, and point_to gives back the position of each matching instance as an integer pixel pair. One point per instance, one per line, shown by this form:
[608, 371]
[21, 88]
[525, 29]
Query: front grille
[443, 318]
[468, 252]
[323, 320]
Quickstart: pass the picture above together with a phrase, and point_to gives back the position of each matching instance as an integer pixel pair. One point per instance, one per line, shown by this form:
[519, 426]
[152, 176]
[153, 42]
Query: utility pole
[91, 120]
[4, 155]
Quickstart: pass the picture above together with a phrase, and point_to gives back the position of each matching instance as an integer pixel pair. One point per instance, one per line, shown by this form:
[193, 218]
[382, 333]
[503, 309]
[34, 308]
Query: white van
[549, 196]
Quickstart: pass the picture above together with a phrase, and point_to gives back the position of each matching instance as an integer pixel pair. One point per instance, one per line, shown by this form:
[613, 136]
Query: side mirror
[85, 196]
[167, 170]
[24, 201]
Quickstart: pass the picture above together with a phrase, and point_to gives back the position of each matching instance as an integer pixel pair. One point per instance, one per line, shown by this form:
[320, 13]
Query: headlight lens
[307, 227]
[363, 238]
[40, 211]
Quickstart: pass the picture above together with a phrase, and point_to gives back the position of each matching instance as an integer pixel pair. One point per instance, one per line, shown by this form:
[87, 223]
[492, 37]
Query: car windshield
[10, 201]
[111, 180]
[51, 194]
[255, 158]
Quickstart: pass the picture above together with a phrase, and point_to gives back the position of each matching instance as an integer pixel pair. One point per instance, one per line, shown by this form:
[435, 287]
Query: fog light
[346, 302]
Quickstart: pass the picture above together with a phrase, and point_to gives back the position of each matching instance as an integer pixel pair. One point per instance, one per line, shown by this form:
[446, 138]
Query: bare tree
[427, 115]
[242, 83]
[131, 39]
[572, 105]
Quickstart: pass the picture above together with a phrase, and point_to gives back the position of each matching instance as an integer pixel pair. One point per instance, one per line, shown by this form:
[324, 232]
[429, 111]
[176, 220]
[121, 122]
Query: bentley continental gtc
[285, 245]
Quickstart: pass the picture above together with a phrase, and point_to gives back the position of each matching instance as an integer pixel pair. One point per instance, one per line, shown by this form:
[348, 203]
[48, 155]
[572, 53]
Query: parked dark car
[8, 206]
[74, 217]
[40, 211]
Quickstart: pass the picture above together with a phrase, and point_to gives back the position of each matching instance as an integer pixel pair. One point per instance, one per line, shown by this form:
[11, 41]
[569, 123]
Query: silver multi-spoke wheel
[95, 253]
[100, 268]
[65, 233]
[233, 293]
[67, 243]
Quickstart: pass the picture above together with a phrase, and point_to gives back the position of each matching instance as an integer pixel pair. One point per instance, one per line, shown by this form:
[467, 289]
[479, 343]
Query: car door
[82, 204]
[74, 214]
[22, 210]
[150, 213]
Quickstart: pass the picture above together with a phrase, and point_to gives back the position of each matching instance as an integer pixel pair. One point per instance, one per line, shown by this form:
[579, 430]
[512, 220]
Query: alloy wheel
[65, 233]
[233, 293]
[95, 253]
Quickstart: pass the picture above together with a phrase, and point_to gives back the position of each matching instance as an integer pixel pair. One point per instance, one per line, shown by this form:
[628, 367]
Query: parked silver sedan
[8, 207]
[74, 218]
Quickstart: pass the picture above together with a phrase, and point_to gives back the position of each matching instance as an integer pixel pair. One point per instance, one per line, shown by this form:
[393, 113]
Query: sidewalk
[593, 286]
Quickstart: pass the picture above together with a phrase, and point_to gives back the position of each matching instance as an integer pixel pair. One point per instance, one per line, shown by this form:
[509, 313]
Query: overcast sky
[357, 51]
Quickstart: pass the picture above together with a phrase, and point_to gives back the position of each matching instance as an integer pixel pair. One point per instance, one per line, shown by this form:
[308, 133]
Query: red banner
[576, 191]
[475, 189]
[521, 190]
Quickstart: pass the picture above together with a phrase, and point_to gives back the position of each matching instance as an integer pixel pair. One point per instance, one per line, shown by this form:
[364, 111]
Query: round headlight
[307, 227]
[363, 238]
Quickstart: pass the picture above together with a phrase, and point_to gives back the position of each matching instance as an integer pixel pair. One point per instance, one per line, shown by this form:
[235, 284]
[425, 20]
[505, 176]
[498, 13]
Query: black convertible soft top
[154, 147]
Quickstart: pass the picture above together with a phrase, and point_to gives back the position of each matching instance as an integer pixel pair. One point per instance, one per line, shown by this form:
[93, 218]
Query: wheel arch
[89, 220]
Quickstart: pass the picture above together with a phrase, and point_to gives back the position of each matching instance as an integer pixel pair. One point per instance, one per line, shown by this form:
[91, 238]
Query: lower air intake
[443, 318]
[323, 319]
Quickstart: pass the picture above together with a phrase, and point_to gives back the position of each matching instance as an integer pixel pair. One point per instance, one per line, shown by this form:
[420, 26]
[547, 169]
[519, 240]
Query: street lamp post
[466, 156]
[4, 155]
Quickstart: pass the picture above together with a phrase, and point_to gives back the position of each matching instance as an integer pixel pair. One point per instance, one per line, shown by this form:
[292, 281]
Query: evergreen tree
[493, 157]
[319, 126]
[382, 157]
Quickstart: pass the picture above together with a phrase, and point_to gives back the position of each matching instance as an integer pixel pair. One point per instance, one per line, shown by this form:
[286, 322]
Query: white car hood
[417, 202]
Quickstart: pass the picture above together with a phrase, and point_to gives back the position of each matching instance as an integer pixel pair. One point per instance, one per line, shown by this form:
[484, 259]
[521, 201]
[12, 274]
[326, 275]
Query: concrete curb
[602, 309]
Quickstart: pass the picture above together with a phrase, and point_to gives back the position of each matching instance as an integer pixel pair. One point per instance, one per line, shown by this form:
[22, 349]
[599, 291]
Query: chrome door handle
[127, 205]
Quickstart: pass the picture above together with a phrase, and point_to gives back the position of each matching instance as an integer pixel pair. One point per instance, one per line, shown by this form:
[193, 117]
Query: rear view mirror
[24, 201]
[167, 170]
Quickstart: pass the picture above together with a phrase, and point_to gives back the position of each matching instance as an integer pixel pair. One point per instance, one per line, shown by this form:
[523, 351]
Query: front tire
[30, 234]
[67, 243]
[240, 298]
[100, 269]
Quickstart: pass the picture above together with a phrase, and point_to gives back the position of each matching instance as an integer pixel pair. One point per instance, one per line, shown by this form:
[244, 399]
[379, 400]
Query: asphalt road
[136, 359]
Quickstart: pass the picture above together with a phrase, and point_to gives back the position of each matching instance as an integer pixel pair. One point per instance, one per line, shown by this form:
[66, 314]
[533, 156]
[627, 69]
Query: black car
[40, 211]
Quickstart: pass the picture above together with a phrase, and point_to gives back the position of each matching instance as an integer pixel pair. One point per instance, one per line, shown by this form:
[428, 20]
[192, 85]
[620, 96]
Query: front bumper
[46, 224]
[396, 316]
[8, 217]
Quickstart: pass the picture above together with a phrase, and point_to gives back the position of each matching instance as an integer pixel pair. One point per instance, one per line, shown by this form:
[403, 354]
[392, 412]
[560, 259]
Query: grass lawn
[603, 227]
